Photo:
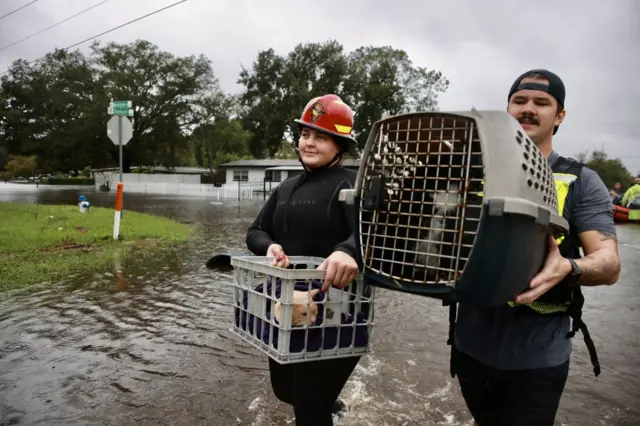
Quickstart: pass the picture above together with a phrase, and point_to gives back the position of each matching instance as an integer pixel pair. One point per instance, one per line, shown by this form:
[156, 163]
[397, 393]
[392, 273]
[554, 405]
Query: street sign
[113, 133]
[120, 131]
[120, 108]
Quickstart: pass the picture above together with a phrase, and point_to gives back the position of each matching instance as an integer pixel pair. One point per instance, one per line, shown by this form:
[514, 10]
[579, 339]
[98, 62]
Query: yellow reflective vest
[563, 182]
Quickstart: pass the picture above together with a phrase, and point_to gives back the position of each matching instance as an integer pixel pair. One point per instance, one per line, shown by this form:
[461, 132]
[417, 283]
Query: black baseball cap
[555, 87]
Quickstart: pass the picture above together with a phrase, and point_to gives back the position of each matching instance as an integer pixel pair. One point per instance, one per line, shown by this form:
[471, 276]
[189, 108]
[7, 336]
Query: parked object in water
[626, 215]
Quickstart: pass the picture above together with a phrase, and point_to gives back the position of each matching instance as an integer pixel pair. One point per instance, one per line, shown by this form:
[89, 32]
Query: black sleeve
[349, 245]
[260, 233]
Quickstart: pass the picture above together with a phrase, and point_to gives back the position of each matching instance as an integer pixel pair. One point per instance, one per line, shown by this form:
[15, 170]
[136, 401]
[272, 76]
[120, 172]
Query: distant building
[242, 179]
[274, 171]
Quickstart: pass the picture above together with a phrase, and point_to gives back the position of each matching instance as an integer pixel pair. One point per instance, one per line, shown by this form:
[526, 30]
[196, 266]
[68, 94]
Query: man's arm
[592, 220]
[601, 263]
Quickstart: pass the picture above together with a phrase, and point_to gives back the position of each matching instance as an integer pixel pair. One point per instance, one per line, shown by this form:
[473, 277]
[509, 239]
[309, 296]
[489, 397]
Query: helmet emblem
[317, 110]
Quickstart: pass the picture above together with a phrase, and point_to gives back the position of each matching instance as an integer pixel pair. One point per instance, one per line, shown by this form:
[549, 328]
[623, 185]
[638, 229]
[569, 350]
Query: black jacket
[304, 216]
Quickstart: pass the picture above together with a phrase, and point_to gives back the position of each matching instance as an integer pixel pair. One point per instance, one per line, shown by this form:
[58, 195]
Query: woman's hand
[341, 269]
[281, 260]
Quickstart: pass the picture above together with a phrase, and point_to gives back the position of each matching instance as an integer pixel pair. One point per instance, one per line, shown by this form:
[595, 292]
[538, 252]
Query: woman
[303, 217]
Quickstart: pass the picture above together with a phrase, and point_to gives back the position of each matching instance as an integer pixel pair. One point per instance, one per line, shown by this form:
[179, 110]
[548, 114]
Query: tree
[287, 150]
[383, 80]
[265, 111]
[222, 141]
[372, 80]
[220, 136]
[165, 90]
[609, 170]
[46, 113]
[56, 108]
[21, 166]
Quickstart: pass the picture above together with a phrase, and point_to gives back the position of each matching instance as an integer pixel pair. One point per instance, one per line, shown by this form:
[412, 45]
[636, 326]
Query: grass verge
[46, 242]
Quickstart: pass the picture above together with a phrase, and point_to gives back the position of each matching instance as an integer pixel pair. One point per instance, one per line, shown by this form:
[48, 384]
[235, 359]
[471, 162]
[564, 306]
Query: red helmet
[330, 115]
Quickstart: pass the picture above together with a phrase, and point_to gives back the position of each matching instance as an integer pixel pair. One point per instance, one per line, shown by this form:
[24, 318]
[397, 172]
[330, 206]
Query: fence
[239, 191]
[176, 184]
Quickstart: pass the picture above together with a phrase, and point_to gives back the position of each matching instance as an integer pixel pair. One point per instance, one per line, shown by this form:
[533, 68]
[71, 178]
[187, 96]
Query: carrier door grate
[420, 201]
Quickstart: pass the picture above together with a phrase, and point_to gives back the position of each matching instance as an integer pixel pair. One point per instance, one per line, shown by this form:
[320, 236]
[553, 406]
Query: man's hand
[341, 269]
[281, 260]
[555, 269]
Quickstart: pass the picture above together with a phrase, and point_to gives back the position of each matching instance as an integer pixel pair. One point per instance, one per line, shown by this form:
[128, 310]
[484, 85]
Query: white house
[274, 171]
[244, 179]
[157, 175]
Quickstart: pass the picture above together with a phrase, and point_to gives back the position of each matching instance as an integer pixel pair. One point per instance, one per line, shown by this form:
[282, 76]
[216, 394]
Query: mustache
[528, 117]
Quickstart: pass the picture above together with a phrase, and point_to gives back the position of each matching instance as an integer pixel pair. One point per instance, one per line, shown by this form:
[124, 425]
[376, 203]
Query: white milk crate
[344, 318]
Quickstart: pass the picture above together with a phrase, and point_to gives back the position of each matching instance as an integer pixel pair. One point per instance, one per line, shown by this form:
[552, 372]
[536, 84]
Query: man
[616, 193]
[512, 361]
[631, 198]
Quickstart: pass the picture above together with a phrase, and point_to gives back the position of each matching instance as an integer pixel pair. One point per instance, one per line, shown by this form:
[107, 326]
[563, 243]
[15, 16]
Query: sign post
[120, 131]
[119, 128]
[118, 212]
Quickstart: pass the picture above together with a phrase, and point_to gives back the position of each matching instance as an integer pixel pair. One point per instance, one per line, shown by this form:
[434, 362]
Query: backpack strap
[567, 165]
[574, 167]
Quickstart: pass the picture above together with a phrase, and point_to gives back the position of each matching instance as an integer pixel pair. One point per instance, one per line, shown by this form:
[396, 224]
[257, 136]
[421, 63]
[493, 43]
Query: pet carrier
[455, 204]
[284, 314]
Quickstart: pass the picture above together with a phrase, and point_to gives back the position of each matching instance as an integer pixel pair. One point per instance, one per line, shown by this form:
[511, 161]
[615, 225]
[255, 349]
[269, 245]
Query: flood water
[154, 348]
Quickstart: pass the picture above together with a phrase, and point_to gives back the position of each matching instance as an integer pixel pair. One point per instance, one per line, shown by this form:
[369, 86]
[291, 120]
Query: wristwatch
[575, 274]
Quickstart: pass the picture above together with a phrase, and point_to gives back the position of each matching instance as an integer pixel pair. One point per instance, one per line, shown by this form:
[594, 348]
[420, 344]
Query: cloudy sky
[481, 46]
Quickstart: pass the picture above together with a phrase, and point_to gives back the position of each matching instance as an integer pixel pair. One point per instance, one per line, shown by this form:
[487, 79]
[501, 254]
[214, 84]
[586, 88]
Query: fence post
[238, 190]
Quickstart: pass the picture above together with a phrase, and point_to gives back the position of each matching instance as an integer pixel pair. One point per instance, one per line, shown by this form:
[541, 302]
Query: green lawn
[44, 242]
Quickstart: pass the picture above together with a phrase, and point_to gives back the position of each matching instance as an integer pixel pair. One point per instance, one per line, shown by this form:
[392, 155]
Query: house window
[241, 175]
[273, 176]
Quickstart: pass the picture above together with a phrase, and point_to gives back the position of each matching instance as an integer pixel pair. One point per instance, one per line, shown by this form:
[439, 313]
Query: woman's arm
[260, 233]
[348, 246]
[341, 265]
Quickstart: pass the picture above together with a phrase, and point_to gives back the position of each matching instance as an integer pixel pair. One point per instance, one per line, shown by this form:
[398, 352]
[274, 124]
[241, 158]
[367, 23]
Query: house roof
[296, 167]
[269, 163]
[181, 170]
[261, 163]
[162, 169]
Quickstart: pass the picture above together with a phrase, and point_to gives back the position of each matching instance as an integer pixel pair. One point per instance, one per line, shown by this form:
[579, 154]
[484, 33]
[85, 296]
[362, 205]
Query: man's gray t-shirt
[503, 338]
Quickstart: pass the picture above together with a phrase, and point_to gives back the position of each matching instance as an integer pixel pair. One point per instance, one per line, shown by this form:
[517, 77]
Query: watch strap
[575, 273]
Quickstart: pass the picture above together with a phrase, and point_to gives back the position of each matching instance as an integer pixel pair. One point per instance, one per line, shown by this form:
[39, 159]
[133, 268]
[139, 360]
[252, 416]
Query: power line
[108, 31]
[125, 24]
[20, 8]
[52, 26]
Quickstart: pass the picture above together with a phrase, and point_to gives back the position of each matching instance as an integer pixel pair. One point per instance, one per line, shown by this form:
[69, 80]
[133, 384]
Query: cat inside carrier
[453, 205]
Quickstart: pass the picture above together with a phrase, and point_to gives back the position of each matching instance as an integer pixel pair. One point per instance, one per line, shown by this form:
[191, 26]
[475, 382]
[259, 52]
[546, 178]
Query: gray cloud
[481, 46]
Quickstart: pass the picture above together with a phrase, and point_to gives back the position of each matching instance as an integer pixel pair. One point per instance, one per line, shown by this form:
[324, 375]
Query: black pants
[510, 397]
[311, 387]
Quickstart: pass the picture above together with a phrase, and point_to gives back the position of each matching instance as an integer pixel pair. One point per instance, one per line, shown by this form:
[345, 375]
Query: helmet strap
[333, 162]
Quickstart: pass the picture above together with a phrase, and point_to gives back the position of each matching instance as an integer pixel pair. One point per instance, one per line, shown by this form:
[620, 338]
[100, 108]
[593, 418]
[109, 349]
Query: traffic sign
[114, 133]
[120, 108]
